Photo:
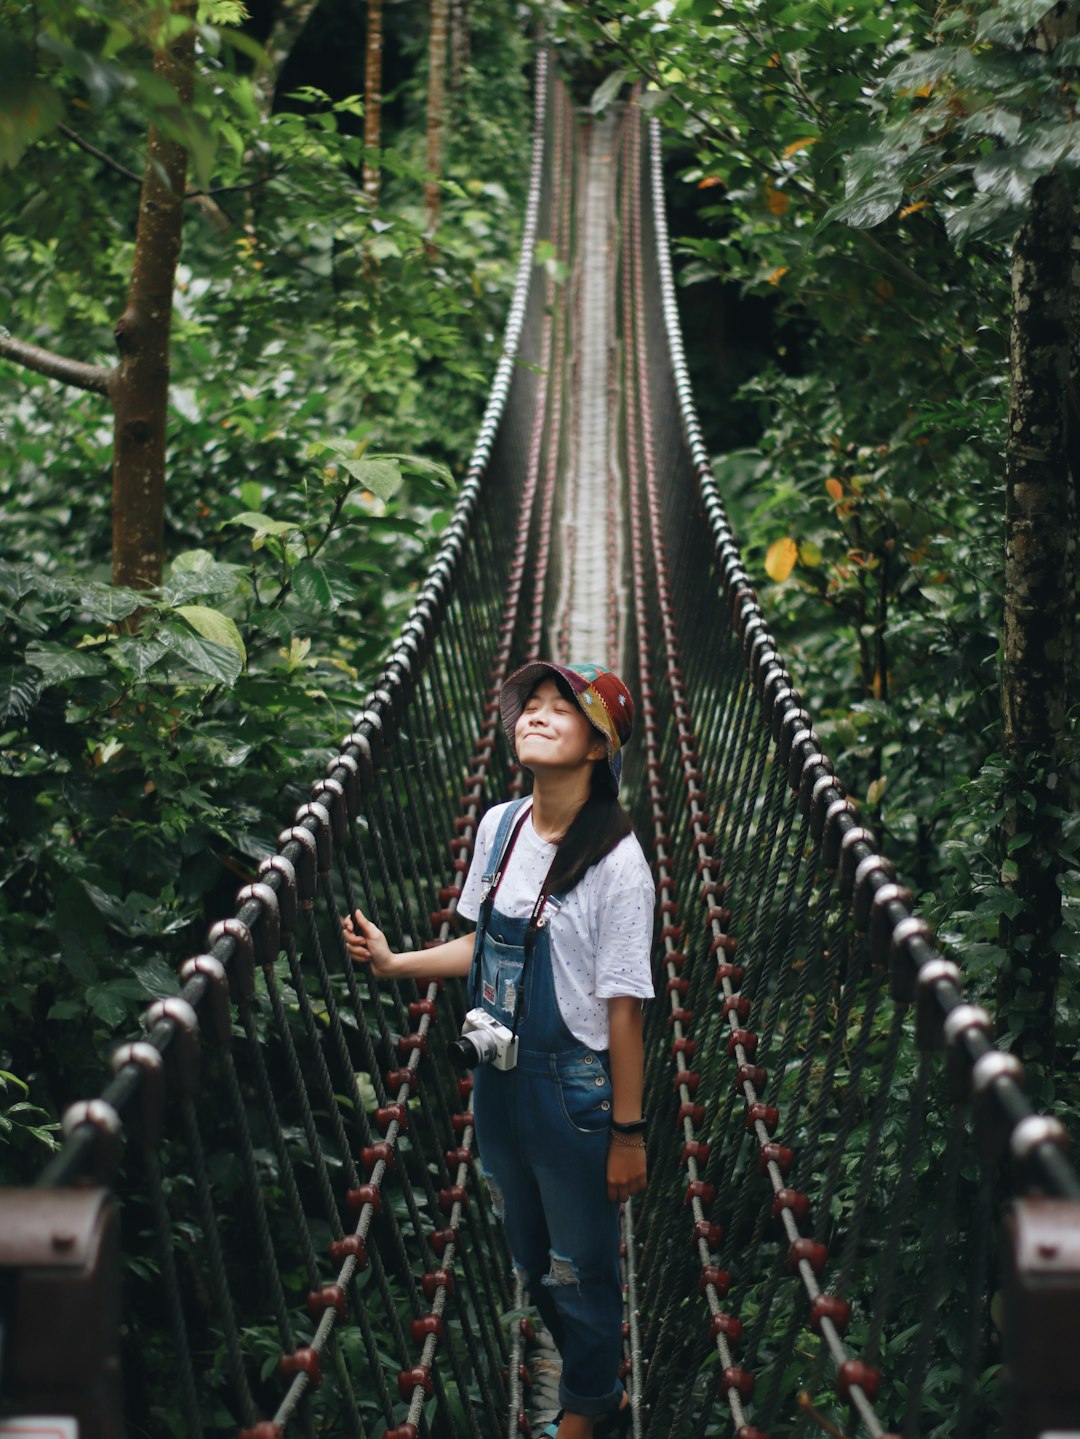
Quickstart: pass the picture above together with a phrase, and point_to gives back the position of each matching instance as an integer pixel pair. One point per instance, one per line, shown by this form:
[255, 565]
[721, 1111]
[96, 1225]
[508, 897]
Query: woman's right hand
[367, 944]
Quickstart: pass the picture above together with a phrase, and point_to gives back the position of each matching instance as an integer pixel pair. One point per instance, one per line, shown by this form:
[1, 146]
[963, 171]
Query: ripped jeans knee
[495, 1194]
[563, 1272]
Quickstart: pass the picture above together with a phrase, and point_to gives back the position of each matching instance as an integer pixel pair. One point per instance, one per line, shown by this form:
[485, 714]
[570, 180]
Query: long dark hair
[599, 825]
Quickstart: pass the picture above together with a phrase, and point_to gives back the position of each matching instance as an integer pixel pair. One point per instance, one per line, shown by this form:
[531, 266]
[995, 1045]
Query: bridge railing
[283, 1158]
[849, 1136]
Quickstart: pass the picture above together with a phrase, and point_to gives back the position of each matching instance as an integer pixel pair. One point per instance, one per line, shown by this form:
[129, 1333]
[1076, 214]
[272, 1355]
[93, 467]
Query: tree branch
[96, 378]
[99, 154]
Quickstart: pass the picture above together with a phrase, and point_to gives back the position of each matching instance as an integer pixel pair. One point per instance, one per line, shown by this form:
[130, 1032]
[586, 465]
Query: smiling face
[553, 733]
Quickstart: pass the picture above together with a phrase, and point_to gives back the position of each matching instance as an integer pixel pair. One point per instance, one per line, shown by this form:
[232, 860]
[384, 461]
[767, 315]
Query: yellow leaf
[876, 790]
[780, 559]
[777, 275]
[797, 145]
[709, 181]
[913, 209]
[776, 200]
[810, 554]
[834, 487]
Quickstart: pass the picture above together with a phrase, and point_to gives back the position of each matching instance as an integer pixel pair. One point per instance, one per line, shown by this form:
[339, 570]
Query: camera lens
[464, 1052]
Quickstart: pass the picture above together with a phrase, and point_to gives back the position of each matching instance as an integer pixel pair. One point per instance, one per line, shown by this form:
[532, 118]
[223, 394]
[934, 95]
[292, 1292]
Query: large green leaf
[59, 662]
[321, 585]
[219, 662]
[213, 625]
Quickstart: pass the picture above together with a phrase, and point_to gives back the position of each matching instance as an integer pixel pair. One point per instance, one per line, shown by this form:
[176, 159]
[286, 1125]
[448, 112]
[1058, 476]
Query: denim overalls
[543, 1131]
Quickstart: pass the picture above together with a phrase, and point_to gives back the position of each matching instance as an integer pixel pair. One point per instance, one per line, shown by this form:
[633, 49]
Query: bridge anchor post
[60, 1308]
[1042, 1320]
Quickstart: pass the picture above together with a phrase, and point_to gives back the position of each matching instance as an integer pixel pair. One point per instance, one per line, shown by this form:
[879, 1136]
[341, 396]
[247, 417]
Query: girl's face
[553, 733]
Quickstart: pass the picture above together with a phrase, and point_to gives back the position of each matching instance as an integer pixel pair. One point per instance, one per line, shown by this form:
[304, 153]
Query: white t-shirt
[601, 937]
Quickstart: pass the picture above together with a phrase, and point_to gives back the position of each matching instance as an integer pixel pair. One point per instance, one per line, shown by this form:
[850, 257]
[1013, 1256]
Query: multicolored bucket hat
[604, 700]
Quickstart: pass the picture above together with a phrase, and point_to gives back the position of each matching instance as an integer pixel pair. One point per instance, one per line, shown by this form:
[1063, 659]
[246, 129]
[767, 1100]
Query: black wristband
[635, 1126]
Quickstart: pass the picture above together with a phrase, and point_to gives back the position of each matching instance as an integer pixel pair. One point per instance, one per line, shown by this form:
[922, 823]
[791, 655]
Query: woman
[563, 899]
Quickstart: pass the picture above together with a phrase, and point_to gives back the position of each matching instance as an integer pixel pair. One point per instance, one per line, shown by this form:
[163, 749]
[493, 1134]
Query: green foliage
[328, 373]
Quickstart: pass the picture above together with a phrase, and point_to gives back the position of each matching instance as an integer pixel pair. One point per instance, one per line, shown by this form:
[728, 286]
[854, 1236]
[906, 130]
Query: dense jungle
[873, 211]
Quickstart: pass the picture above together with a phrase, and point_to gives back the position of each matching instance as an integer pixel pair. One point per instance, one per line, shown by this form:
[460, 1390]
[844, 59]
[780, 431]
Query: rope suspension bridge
[271, 1222]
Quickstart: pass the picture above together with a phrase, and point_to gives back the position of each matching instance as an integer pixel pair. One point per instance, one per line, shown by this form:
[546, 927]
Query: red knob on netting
[751, 1074]
[462, 1121]
[827, 1306]
[671, 931]
[736, 1004]
[408, 1042]
[699, 1189]
[766, 1114]
[364, 1194]
[662, 840]
[816, 1255]
[747, 1431]
[403, 1431]
[707, 866]
[714, 889]
[680, 1016]
[720, 1279]
[449, 892]
[733, 973]
[726, 942]
[799, 1204]
[395, 1078]
[684, 1046]
[695, 1149]
[439, 917]
[694, 1112]
[462, 845]
[417, 1009]
[371, 1154]
[425, 1325]
[265, 1429]
[727, 1325]
[741, 1380]
[465, 1086]
[704, 839]
[675, 958]
[352, 1246]
[525, 1377]
[461, 824]
[460, 866]
[720, 915]
[852, 1374]
[711, 1233]
[330, 1296]
[668, 906]
[440, 1238]
[677, 986]
[626, 1329]
[743, 1039]
[451, 1195]
[391, 1114]
[524, 1427]
[528, 1330]
[434, 1280]
[690, 1077]
[775, 1154]
[302, 1361]
[695, 796]
[458, 1156]
[418, 1377]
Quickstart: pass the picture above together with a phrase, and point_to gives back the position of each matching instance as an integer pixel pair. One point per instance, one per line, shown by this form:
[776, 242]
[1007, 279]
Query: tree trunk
[140, 387]
[459, 43]
[436, 105]
[1040, 589]
[373, 101]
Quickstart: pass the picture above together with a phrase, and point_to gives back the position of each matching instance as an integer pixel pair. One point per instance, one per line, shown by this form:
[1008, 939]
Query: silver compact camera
[484, 1041]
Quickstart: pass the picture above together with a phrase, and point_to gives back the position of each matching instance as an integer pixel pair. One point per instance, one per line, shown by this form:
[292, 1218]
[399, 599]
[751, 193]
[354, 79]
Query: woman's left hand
[626, 1170]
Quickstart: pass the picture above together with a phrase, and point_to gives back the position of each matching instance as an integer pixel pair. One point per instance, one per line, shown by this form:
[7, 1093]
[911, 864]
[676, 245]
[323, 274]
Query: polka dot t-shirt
[601, 938]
